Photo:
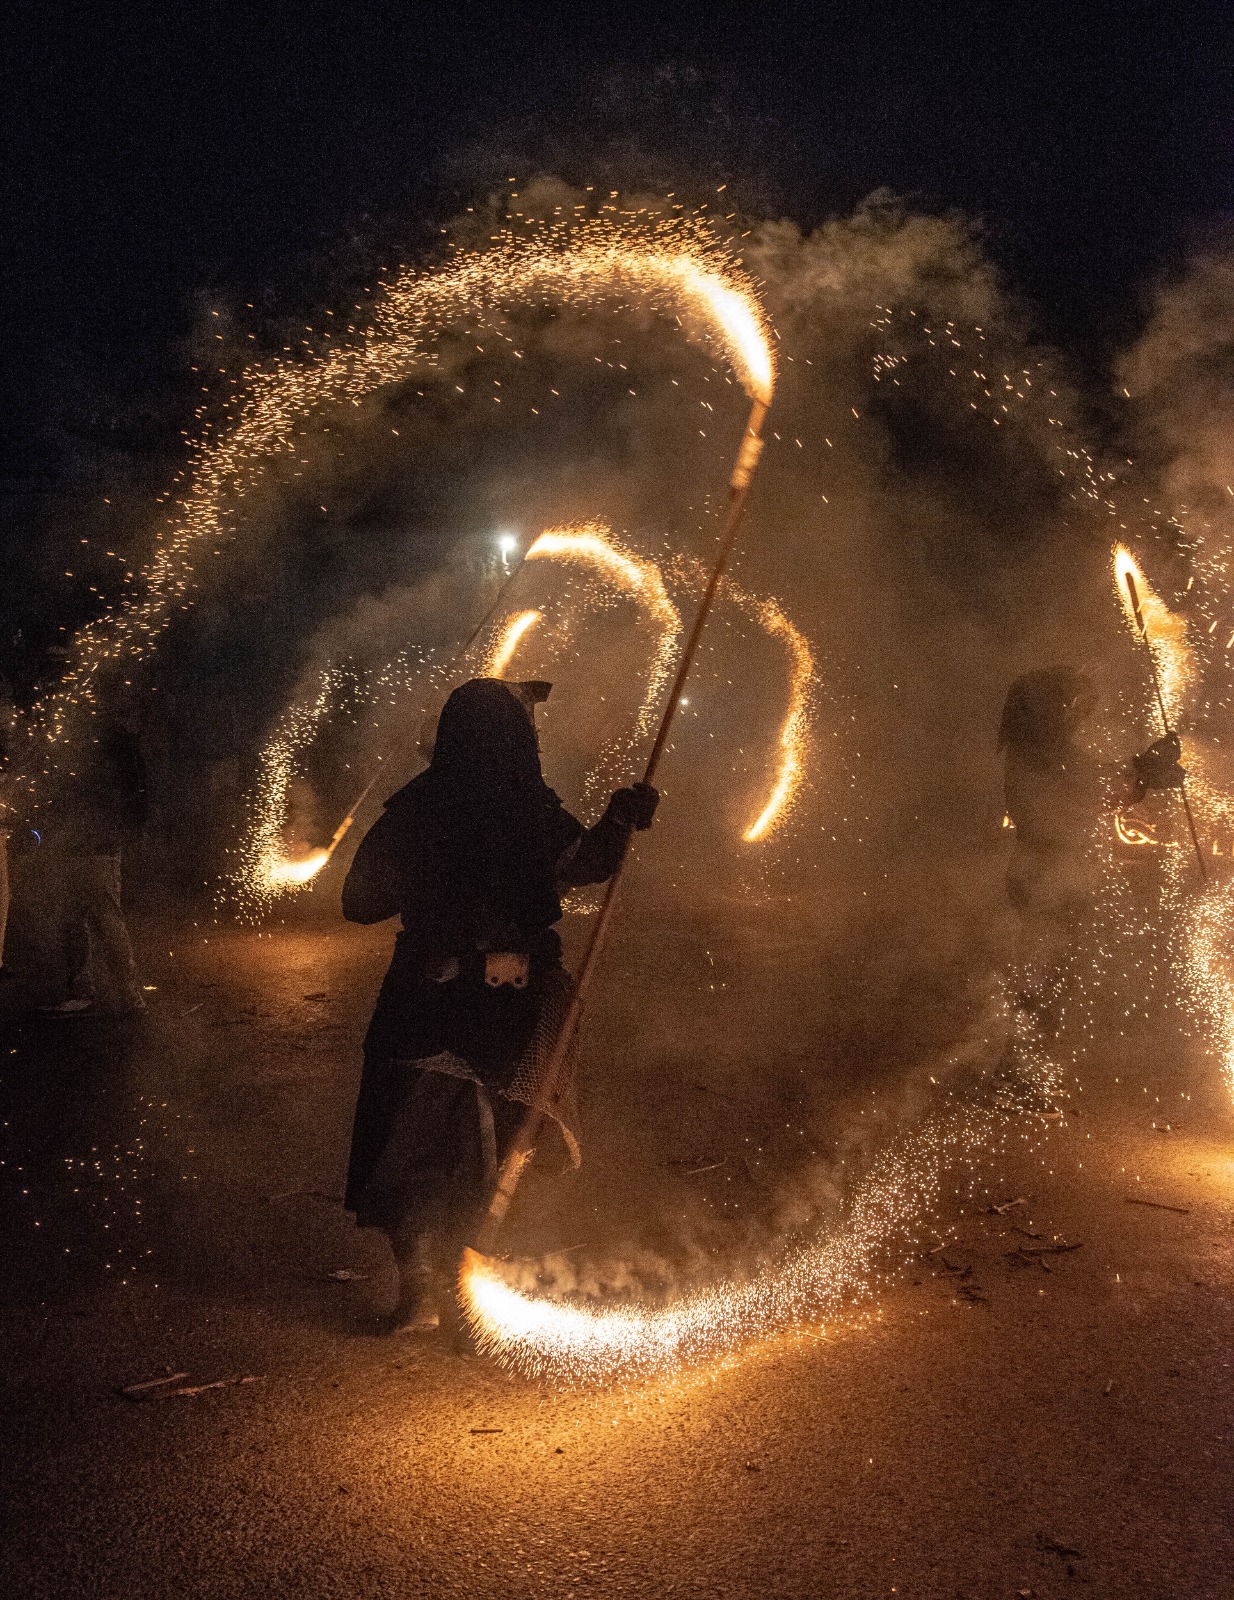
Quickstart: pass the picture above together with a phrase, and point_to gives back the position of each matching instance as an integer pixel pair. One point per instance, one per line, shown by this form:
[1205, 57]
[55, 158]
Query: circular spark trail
[573, 1344]
[268, 871]
[794, 736]
[673, 266]
[508, 641]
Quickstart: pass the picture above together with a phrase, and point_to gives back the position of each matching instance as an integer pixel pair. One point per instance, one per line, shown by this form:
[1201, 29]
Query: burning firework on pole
[524, 1144]
[1125, 567]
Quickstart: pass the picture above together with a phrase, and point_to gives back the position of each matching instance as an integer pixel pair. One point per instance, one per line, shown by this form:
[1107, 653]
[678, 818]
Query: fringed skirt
[450, 1071]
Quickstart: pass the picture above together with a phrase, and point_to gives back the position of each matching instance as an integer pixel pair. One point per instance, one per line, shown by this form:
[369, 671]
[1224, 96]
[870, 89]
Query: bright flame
[734, 310]
[297, 872]
[508, 641]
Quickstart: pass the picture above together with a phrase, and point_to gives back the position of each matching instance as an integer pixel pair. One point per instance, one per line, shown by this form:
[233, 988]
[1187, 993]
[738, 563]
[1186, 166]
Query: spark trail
[672, 266]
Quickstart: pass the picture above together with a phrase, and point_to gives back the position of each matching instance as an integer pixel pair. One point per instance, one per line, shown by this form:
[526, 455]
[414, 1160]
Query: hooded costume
[1054, 790]
[472, 856]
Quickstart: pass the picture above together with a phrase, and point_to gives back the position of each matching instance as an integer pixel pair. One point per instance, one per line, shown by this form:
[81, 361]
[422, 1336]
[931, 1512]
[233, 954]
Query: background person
[1056, 795]
[96, 810]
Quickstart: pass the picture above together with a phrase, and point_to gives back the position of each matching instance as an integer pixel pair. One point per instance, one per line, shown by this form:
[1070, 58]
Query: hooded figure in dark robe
[472, 855]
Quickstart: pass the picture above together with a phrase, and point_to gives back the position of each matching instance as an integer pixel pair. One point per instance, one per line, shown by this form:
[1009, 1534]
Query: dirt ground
[1001, 1418]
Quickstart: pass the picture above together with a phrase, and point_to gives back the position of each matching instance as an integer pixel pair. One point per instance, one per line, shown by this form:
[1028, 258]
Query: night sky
[165, 160]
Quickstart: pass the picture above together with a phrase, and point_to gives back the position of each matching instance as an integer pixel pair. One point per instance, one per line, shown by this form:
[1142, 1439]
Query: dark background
[167, 161]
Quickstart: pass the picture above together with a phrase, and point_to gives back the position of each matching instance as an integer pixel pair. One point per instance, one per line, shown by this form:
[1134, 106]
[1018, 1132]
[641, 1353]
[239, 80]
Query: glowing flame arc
[592, 544]
[508, 641]
[1132, 832]
[672, 265]
[795, 727]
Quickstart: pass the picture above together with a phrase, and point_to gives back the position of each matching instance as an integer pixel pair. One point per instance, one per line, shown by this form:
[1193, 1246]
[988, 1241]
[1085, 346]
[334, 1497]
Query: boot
[416, 1308]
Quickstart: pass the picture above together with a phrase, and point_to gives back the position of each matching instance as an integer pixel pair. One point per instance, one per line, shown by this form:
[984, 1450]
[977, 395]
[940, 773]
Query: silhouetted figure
[1057, 797]
[98, 806]
[472, 855]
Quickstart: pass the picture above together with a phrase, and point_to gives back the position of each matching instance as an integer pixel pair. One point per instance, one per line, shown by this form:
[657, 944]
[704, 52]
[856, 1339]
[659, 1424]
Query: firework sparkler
[1125, 567]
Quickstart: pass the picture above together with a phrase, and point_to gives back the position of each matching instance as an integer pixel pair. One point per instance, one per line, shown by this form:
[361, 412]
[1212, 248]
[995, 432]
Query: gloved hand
[1158, 767]
[634, 807]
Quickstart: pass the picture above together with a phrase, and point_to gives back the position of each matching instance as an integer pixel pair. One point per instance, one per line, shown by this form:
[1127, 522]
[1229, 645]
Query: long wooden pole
[1134, 596]
[520, 1152]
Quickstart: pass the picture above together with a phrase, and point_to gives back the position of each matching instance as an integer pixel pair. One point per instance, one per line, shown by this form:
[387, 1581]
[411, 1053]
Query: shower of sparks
[673, 266]
[1204, 918]
[508, 641]
[1209, 941]
[264, 868]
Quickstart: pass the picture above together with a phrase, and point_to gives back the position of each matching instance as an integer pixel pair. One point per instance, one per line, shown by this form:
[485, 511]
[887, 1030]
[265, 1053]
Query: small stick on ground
[139, 1391]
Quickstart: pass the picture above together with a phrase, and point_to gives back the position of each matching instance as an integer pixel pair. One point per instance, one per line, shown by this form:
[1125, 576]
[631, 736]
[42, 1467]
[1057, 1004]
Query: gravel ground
[1002, 1419]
